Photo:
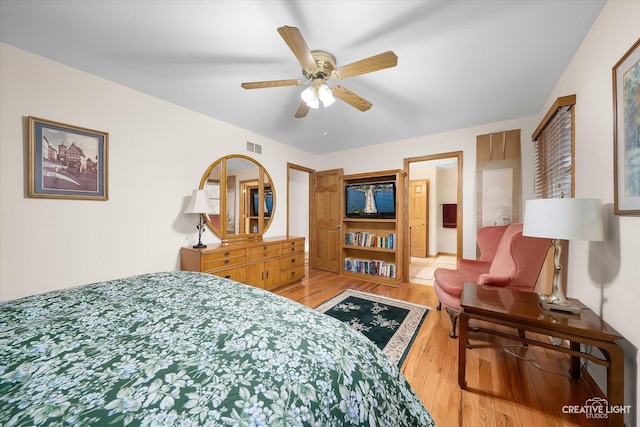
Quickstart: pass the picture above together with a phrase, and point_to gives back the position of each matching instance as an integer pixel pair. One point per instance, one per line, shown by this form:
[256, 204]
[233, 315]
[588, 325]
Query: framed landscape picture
[67, 162]
[626, 132]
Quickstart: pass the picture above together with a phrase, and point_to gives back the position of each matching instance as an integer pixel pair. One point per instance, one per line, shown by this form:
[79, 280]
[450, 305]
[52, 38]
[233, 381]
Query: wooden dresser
[266, 263]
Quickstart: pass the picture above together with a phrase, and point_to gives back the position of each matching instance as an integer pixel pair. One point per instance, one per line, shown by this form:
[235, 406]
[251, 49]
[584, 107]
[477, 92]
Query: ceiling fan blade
[367, 65]
[271, 83]
[298, 46]
[302, 111]
[351, 98]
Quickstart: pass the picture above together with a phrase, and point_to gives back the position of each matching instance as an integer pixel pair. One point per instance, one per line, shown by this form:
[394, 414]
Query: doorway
[313, 197]
[435, 213]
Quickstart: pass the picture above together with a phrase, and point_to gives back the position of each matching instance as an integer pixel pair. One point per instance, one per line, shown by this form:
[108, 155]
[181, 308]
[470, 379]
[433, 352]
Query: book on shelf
[365, 239]
[374, 267]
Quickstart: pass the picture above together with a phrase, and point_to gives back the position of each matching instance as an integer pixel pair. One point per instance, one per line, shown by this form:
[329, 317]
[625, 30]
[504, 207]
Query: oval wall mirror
[242, 195]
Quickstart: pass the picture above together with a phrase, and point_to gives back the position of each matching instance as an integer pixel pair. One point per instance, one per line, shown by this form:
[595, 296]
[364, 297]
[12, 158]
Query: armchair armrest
[474, 265]
[494, 280]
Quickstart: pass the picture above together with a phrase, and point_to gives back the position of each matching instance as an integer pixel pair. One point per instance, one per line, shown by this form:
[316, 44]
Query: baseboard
[446, 254]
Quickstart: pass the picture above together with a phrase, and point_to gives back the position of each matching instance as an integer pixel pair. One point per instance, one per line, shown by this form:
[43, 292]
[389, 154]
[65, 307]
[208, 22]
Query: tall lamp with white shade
[563, 219]
[199, 204]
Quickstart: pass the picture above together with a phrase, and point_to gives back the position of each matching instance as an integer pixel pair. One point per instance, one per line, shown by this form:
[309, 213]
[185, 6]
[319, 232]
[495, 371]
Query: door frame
[310, 173]
[455, 155]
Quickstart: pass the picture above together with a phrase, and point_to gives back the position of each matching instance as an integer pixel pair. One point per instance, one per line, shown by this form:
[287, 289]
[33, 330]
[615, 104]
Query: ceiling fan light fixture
[319, 66]
[310, 97]
[326, 95]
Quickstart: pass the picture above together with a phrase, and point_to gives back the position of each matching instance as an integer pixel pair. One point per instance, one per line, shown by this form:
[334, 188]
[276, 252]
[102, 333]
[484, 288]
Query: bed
[184, 348]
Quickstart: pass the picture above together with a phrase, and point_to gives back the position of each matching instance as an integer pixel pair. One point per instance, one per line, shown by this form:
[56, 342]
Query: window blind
[554, 155]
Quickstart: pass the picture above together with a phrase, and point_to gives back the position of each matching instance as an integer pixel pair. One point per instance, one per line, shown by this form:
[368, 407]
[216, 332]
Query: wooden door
[255, 274]
[326, 215]
[272, 274]
[264, 274]
[419, 217]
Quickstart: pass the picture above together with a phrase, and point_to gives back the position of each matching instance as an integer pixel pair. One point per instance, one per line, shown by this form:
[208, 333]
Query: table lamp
[199, 204]
[563, 219]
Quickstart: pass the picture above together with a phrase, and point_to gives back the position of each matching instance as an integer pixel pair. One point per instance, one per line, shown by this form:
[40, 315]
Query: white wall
[605, 276]
[157, 154]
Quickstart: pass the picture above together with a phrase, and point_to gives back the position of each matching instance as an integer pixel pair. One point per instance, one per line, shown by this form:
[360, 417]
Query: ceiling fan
[318, 67]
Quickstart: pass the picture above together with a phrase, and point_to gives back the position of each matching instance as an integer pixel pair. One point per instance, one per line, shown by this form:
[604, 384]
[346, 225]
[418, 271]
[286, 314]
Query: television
[370, 200]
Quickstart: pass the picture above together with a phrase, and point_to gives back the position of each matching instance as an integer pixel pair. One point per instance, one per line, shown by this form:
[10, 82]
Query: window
[554, 150]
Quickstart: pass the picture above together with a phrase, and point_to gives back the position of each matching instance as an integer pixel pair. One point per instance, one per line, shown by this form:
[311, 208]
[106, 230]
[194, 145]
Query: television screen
[376, 200]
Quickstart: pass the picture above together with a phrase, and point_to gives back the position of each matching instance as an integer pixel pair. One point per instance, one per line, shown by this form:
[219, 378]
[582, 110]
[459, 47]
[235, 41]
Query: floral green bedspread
[190, 349]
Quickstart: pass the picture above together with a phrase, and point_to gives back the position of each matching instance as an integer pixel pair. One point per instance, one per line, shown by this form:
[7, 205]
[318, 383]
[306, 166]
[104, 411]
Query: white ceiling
[460, 63]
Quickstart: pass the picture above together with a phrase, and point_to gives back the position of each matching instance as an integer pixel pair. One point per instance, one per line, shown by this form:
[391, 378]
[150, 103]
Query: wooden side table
[522, 311]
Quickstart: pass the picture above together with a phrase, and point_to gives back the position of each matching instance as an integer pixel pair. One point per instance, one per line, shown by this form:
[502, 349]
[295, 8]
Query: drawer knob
[293, 260]
[226, 261]
[227, 254]
[228, 276]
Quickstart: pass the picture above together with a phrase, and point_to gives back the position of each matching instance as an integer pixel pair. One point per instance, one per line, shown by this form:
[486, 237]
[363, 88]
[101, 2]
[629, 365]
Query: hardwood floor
[505, 388]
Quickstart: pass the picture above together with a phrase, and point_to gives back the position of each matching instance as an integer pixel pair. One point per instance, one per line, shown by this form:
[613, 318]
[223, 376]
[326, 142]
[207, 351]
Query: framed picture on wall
[67, 162]
[626, 132]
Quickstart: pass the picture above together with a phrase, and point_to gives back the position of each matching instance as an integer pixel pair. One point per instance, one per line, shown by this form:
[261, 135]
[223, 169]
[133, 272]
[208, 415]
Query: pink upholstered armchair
[507, 259]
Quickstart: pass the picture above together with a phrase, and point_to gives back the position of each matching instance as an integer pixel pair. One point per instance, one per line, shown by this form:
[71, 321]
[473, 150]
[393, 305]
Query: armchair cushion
[474, 265]
[449, 280]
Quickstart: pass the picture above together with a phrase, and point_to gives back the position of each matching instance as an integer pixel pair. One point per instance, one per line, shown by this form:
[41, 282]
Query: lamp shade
[310, 97]
[199, 203]
[565, 218]
[326, 95]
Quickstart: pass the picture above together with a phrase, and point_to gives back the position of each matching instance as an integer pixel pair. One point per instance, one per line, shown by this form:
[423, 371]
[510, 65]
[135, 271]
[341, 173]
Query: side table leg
[574, 370]
[462, 347]
[615, 381]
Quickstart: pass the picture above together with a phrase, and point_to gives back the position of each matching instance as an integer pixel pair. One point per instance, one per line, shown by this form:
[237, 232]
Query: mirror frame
[263, 176]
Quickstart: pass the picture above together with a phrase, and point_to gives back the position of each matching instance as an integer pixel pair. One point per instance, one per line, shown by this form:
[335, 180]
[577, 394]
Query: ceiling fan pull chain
[325, 122]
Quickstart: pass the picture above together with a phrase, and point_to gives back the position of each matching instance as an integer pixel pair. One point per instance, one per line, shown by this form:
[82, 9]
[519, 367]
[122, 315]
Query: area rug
[391, 324]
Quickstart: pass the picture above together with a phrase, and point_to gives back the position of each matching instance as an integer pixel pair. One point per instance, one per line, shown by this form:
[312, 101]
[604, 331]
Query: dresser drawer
[292, 246]
[222, 254]
[223, 258]
[239, 274]
[215, 264]
[259, 252]
[292, 274]
[290, 261]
